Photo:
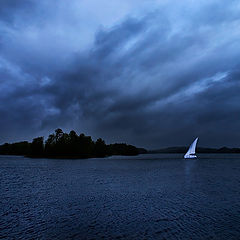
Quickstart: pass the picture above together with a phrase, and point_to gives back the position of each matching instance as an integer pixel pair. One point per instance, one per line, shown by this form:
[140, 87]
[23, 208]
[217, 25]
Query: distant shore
[198, 150]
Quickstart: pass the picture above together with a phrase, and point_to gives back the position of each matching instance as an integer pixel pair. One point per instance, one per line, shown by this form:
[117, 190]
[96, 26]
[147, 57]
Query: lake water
[158, 196]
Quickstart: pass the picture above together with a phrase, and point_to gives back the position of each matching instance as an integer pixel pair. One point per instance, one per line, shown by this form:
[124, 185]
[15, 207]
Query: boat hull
[190, 156]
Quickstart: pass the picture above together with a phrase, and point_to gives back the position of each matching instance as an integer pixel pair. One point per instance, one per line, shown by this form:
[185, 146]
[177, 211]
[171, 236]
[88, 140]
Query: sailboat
[191, 151]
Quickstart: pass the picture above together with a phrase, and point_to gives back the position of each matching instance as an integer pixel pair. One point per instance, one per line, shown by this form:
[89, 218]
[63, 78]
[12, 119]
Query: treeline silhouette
[64, 145]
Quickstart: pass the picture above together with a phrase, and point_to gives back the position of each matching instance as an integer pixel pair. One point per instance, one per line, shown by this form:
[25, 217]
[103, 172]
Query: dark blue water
[144, 197]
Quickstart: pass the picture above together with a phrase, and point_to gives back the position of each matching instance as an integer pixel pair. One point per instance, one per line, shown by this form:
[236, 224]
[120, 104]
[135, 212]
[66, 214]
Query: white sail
[192, 150]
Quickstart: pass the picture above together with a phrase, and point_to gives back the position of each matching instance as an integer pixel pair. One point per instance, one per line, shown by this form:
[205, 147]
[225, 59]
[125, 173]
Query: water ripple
[144, 197]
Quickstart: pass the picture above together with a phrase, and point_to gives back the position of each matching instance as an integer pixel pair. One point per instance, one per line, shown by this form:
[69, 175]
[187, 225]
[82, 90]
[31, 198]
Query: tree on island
[37, 146]
[100, 149]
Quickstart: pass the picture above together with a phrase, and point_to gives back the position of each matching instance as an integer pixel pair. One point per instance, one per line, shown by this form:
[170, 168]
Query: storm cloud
[153, 74]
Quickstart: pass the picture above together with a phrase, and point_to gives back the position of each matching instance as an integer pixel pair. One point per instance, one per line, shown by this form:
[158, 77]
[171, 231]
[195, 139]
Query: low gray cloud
[156, 79]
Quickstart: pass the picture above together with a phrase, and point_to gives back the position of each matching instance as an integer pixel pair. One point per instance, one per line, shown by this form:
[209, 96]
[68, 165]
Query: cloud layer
[154, 75]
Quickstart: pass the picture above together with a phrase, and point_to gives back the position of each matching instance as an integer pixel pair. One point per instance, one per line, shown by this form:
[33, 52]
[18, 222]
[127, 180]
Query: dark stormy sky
[146, 72]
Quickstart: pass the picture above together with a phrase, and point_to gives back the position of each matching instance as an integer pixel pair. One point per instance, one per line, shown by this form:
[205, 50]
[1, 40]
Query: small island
[68, 145]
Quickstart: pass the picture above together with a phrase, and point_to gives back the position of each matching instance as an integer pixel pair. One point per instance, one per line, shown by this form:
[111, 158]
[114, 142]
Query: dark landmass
[64, 145]
[71, 145]
[198, 150]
